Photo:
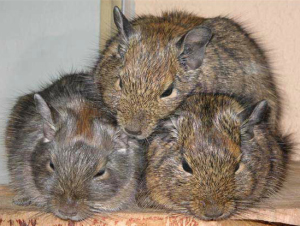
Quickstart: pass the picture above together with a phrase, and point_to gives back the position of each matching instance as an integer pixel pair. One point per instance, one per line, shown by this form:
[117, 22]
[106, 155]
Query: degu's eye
[239, 167]
[100, 173]
[168, 91]
[186, 167]
[119, 84]
[50, 166]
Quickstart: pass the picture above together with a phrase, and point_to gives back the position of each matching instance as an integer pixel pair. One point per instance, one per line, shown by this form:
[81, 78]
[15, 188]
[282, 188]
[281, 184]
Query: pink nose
[68, 209]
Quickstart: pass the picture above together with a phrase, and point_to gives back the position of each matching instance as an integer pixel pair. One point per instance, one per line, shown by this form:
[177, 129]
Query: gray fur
[62, 171]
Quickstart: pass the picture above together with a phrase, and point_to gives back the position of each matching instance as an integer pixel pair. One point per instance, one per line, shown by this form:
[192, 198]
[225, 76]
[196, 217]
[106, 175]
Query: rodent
[215, 158]
[154, 63]
[67, 155]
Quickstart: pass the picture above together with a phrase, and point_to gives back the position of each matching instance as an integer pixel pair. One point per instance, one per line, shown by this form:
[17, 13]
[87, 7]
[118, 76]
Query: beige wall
[276, 24]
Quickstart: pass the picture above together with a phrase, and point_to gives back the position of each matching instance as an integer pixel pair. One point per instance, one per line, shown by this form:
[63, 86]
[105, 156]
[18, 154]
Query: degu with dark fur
[215, 158]
[67, 156]
[154, 62]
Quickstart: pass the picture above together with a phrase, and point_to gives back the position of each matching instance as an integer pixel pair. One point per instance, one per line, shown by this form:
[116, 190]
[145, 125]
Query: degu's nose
[134, 127]
[67, 212]
[69, 209]
[213, 212]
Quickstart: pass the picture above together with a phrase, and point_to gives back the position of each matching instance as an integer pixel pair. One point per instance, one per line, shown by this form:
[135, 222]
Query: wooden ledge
[19, 216]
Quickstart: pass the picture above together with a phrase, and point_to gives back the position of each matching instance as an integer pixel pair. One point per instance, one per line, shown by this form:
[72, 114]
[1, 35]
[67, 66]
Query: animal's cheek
[45, 183]
[229, 209]
[245, 184]
[163, 186]
[165, 108]
[112, 98]
[155, 184]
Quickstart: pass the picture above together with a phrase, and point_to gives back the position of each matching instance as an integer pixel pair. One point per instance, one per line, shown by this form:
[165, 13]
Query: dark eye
[120, 83]
[51, 166]
[186, 167]
[168, 91]
[237, 167]
[100, 173]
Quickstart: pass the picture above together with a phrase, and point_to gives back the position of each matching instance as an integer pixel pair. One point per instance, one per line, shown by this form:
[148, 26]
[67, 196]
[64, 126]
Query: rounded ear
[43, 109]
[169, 129]
[123, 25]
[254, 115]
[192, 46]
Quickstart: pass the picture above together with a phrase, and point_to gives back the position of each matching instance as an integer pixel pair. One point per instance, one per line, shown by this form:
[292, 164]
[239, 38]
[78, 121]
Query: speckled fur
[86, 140]
[150, 60]
[234, 165]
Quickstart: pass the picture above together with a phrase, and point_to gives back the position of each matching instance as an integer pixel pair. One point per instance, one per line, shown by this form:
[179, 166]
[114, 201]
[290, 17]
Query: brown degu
[215, 158]
[67, 156]
[154, 62]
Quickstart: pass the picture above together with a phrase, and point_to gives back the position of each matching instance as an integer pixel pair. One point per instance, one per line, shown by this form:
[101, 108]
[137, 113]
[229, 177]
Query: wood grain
[29, 216]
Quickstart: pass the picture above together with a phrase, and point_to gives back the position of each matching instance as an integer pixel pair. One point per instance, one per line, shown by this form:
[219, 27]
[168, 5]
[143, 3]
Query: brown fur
[85, 116]
[150, 59]
[235, 159]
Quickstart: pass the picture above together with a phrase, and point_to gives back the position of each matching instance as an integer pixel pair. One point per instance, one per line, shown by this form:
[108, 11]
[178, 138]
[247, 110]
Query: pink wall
[276, 24]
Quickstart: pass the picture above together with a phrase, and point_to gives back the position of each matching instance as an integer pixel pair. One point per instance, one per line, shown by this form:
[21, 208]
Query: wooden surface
[14, 215]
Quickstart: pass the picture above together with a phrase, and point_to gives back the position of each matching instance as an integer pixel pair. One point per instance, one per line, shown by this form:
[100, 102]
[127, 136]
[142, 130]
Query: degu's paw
[21, 200]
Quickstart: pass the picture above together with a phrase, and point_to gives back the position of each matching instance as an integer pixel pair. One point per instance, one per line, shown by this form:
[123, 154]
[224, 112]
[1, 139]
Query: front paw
[21, 200]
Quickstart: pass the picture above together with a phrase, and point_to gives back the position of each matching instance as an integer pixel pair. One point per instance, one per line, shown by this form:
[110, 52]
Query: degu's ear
[254, 115]
[43, 109]
[170, 128]
[123, 25]
[192, 47]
